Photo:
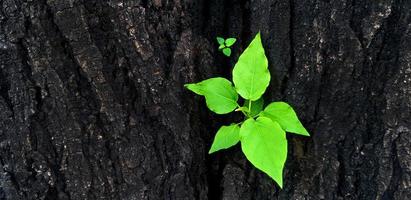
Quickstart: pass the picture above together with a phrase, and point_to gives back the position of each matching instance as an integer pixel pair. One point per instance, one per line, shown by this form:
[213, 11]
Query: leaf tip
[189, 86]
[302, 131]
[211, 151]
[305, 133]
[279, 182]
[280, 185]
[194, 87]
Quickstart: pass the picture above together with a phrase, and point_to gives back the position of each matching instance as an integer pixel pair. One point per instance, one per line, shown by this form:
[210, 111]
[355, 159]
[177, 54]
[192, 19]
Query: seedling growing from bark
[225, 45]
[262, 133]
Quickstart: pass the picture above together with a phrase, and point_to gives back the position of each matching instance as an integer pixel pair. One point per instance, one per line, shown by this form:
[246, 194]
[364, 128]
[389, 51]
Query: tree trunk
[92, 104]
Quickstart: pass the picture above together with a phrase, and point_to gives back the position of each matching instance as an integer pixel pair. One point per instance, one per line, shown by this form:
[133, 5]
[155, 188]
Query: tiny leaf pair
[225, 45]
[263, 133]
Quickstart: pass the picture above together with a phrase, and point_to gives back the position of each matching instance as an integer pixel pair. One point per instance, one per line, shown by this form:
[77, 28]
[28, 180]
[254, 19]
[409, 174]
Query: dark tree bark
[92, 104]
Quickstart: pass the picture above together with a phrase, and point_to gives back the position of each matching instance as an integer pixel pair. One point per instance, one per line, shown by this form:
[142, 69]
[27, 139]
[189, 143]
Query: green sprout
[225, 45]
[263, 132]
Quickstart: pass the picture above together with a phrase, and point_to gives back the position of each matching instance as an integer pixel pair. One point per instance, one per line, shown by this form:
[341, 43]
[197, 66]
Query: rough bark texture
[92, 104]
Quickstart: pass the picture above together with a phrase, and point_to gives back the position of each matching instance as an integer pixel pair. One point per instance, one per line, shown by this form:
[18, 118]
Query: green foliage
[250, 74]
[226, 137]
[265, 146]
[220, 95]
[227, 52]
[225, 45]
[220, 40]
[230, 41]
[262, 134]
[284, 114]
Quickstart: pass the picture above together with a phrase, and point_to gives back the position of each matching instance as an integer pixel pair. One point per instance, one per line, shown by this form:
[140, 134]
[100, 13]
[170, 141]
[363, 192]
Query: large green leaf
[256, 106]
[226, 137]
[219, 93]
[284, 114]
[265, 145]
[250, 74]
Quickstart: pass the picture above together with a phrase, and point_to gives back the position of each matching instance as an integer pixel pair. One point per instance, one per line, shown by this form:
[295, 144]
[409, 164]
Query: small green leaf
[219, 93]
[220, 40]
[222, 46]
[230, 41]
[226, 137]
[256, 106]
[250, 74]
[227, 52]
[265, 145]
[285, 115]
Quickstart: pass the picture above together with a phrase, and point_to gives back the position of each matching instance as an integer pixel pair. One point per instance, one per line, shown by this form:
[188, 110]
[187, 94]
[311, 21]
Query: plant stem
[238, 106]
[249, 106]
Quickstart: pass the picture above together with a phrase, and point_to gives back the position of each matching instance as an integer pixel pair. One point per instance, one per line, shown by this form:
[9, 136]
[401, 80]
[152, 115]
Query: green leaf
[222, 46]
[227, 52]
[219, 93]
[250, 74]
[265, 145]
[220, 40]
[256, 106]
[230, 41]
[226, 137]
[285, 115]
[196, 88]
